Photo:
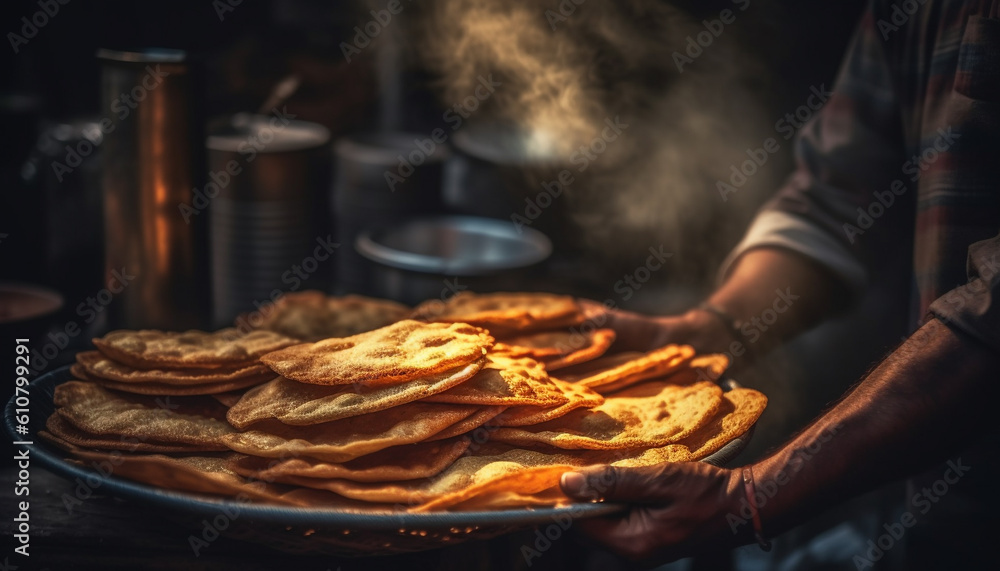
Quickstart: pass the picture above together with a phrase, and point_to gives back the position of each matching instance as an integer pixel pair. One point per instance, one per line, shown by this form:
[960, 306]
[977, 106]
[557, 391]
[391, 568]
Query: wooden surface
[111, 533]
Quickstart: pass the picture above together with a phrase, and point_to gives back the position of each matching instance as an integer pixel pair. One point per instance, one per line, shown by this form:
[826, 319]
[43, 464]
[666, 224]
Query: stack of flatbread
[424, 414]
[312, 315]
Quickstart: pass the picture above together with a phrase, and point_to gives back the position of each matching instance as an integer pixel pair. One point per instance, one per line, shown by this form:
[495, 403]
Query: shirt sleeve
[847, 155]
[974, 308]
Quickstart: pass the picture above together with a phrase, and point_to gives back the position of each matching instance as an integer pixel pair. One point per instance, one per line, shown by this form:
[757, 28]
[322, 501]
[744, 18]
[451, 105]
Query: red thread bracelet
[751, 492]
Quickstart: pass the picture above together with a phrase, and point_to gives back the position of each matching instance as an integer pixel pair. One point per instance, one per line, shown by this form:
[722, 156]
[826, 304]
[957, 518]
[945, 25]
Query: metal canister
[153, 158]
[381, 180]
[269, 227]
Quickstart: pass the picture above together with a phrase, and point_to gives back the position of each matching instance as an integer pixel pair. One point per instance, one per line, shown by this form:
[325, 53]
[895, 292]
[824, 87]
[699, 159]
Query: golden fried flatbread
[313, 315]
[589, 368]
[701, 368]
[297, 403]
[469, 424]
[99, 366]
[543, 344]
[741, 409]
[408, 462]
[400, 352]
[349, 438]
[505, 381]
[600, 341]
[656, 363]
[94, 409]
[556, 347]
[57, 426]
[577, 396]
[509, 476]
[158, 389]
[504, 312]
[205, 474]
[489, 499]
[649, 415]
[459, 481]
[150, 348]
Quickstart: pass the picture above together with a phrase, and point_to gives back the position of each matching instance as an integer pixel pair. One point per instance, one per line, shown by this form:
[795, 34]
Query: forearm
[919, 407]
[774, 294]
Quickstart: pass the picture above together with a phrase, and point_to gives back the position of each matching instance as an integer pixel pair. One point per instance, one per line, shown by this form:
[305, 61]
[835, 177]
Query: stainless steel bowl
[413, 261]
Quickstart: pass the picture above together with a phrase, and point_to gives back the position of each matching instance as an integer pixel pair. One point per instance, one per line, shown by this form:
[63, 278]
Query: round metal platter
[296, 529]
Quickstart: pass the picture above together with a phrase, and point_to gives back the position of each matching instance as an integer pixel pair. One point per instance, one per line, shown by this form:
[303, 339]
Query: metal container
[366, 195]
[270, 235]
[153, 158]
[434, 258]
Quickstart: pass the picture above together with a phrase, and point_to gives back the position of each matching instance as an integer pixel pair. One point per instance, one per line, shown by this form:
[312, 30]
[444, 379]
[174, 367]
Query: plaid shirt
[903, 162]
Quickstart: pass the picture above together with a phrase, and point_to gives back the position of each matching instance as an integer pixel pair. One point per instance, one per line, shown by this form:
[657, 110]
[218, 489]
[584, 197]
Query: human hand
[637, 332]
[675, 510]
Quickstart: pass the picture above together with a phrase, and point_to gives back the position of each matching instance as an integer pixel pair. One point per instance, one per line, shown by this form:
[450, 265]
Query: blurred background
[605, 126]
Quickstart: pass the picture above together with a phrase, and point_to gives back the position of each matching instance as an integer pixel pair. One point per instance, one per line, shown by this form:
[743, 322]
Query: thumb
[614, 484]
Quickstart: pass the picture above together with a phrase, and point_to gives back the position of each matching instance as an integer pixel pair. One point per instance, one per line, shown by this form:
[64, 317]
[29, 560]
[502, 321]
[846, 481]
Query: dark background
[55, 77]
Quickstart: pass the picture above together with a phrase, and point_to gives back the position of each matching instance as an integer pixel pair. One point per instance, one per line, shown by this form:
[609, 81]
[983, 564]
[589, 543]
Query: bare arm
[920, 406]
[762, 280]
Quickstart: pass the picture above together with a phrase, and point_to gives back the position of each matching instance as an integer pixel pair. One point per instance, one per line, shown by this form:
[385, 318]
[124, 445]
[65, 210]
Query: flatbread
[204, 474]
[158, 389]
[398, 463]
[558, 349]
[701, 368]
[297, 403]
[400, 352]
[469, 424]
[505, 381]
[649, 415]
[99, 366]
[504, 312]
[577, 396]
[93, 409]
[313, 315]
[543, 344]
[57, 426]
[349, 438]
[600, 342]
[149, 348]
[656, 363]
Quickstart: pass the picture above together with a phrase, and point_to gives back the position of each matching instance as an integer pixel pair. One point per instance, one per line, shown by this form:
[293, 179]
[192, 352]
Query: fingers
[613, 484]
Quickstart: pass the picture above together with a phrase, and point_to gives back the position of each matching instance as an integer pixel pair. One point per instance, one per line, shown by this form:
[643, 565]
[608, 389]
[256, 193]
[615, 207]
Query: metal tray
[305, 530]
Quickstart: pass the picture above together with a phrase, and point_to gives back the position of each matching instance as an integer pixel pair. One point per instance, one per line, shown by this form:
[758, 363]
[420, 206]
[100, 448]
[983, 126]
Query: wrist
[708, 333]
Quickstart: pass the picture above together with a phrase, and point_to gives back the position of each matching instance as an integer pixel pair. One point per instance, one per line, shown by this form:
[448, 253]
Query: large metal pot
[434, 258]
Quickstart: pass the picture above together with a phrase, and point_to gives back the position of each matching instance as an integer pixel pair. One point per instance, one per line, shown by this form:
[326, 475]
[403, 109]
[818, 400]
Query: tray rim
[52, 459]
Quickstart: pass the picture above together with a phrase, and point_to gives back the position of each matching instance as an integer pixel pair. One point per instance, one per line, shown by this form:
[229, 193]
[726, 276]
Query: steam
[564, 76]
